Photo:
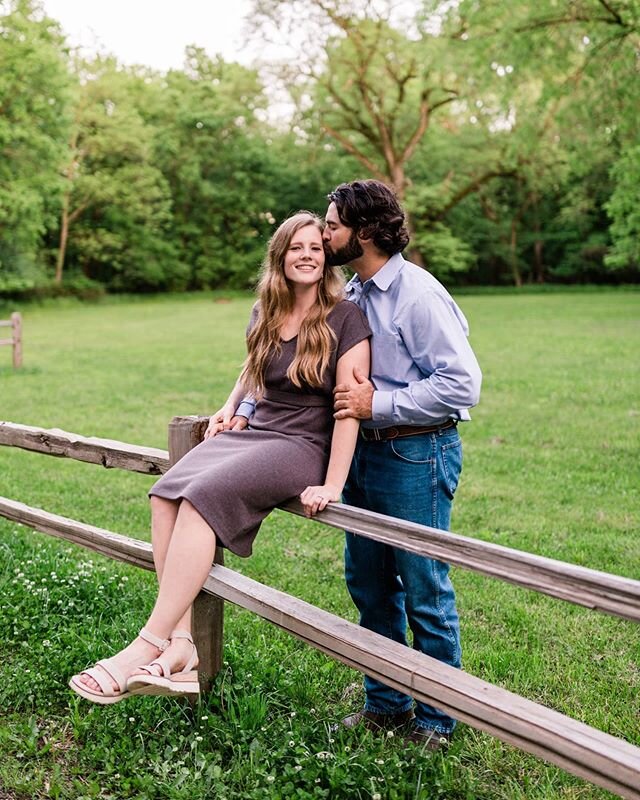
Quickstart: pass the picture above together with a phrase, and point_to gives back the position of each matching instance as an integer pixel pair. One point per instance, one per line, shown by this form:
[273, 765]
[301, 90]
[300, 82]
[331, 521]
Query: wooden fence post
[16, 326]
[208, 612]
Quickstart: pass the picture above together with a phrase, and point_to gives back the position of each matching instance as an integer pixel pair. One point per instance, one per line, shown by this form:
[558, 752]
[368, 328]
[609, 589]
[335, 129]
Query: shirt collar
[383, 278]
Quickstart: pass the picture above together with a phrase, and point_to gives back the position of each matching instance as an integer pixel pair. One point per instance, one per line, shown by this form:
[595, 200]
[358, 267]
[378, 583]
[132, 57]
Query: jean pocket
[414, 449]
[451, 454]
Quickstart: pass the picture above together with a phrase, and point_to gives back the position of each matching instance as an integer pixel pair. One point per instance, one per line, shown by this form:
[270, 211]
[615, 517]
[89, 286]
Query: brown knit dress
[237, 477]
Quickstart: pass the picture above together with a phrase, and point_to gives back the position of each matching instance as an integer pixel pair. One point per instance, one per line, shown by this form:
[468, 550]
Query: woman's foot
[175, 657]
[106, 682]
[172, 673]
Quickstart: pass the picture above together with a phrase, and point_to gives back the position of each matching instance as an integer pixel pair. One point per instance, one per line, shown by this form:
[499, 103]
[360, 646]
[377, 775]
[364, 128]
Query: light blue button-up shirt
[422, 365]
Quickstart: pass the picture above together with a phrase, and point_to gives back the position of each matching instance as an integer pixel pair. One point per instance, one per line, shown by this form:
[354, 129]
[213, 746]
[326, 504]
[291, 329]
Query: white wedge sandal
[185, 681]
[105, 669]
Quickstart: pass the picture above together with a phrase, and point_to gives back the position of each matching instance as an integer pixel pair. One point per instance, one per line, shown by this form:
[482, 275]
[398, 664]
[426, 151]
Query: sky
[154, 32]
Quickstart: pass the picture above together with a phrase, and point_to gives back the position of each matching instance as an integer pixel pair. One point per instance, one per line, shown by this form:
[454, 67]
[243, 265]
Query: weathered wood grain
[207, 616]
[586, 587]
[16, 323]
[578, 748]
[591, 588]
[105, 452]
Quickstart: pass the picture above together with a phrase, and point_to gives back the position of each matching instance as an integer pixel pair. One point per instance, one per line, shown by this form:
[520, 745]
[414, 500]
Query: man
[424, 378]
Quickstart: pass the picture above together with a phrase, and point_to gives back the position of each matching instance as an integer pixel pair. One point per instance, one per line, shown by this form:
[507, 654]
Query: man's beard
[345, 255]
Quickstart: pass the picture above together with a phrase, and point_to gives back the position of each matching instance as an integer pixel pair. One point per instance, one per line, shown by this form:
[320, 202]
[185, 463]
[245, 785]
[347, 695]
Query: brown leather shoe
[428, 739]
[378, 722]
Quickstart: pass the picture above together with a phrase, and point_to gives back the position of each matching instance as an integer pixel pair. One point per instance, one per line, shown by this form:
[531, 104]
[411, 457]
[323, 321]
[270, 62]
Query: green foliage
[624, 209]
[509, 131]
[34, 90]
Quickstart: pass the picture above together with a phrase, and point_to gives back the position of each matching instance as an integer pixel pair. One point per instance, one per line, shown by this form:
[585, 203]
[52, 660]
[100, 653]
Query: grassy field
[551, 466]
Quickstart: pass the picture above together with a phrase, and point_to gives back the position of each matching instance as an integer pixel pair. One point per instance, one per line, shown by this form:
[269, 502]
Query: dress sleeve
[253, 318]
[354, 328]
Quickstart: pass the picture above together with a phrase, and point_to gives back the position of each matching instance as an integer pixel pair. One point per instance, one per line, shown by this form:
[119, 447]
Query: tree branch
[472, 187]
[350, 147]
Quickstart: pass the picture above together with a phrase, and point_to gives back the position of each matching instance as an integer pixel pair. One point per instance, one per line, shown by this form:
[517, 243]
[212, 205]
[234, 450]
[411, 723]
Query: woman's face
[304, 259]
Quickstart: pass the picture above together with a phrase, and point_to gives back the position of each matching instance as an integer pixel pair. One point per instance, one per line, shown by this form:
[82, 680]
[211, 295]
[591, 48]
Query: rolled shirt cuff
[382, 407]
[245, 409]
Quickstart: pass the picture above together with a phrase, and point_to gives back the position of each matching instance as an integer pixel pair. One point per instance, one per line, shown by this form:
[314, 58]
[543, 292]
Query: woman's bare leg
[163, 519]
[187, 562]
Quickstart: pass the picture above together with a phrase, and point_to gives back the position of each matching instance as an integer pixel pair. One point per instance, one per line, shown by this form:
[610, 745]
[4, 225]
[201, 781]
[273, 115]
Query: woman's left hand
[316, 498]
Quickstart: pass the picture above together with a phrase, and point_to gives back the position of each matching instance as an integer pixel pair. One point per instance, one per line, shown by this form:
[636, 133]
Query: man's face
[341, 243]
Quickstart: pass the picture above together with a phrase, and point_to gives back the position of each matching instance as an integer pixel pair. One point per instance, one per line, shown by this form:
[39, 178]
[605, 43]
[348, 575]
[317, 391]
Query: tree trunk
[538, 265]
[64, 235]
[513, 249]
[399, 183]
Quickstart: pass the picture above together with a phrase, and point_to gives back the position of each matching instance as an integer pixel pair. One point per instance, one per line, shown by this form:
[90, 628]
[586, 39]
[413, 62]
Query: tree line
[508, 130]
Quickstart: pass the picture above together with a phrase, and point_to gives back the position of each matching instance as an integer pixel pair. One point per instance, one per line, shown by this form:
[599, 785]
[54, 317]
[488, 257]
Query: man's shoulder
[419, 281]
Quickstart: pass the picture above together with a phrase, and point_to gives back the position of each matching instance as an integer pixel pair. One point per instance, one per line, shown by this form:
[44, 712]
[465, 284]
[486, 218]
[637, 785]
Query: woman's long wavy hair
[276, 300]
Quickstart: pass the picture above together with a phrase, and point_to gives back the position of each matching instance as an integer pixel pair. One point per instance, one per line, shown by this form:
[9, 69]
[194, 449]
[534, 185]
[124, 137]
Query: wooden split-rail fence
[15, 323]
[605, 760]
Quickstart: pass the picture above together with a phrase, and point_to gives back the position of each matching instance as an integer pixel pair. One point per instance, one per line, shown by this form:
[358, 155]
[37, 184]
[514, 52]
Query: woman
[302, 339]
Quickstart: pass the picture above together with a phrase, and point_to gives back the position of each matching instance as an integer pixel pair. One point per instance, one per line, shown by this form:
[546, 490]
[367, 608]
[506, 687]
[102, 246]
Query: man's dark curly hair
[372, 210]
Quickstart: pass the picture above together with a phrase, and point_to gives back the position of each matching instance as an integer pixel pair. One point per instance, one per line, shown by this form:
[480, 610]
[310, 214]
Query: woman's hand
[316, 498]
[224, 420]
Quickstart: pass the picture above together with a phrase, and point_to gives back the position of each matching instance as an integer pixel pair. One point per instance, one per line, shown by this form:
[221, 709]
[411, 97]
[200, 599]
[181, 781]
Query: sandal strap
[192, 661]
[101, 677]
[181, 634]
[113, 671]
[165, 669]
[161, 644]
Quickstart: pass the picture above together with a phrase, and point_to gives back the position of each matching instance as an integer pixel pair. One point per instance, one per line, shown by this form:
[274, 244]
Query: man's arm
[437, 343]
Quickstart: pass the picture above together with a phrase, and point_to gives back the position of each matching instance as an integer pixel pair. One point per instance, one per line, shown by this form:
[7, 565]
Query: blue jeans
[413, 478]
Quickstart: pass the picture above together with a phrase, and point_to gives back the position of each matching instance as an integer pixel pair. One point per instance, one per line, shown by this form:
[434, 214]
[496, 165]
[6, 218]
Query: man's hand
[224, 420]
[355, 401]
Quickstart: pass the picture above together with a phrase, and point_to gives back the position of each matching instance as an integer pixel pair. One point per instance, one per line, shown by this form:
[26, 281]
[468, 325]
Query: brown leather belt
[400, 431]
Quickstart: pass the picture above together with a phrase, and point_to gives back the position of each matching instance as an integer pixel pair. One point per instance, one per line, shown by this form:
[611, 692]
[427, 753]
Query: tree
[34, 96]
[115, 207]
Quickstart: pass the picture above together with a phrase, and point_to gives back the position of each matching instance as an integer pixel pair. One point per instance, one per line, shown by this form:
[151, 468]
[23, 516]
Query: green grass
[551, 466]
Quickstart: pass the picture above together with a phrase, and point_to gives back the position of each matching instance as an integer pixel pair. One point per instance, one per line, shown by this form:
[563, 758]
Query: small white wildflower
[317, 780]
[292, 714]
[376, 796]
[270, 778]
[198, 738]
[312, 711]
[379, 760]
[298, 767]
[46, 643]
[390, 734]
[132, 719]
[291, 743]
[331, 741]
[205, 717]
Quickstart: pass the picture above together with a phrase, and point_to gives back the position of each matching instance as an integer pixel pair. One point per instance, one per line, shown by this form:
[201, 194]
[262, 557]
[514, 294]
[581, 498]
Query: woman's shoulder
[345, 310]
[349, 324]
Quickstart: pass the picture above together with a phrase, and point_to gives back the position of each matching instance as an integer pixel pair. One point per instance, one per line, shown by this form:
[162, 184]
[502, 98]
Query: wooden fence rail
[15, 342]
[584, 751]
[586, 587]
